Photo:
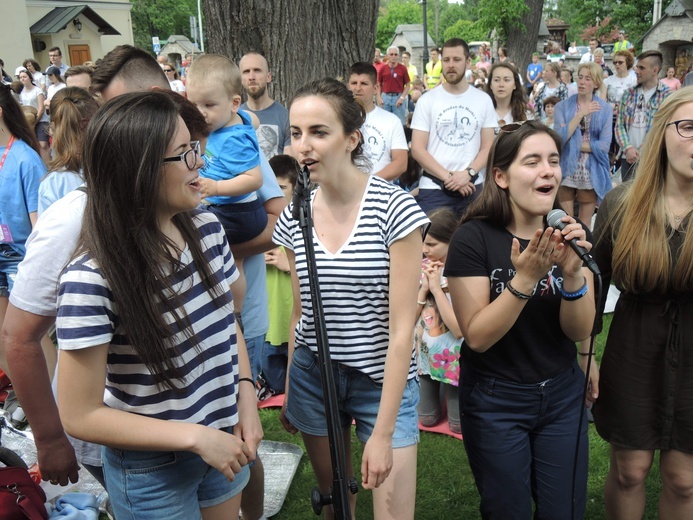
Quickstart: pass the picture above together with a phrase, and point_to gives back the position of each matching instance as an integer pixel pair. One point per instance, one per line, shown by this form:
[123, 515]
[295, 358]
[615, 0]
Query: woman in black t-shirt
[520, 394]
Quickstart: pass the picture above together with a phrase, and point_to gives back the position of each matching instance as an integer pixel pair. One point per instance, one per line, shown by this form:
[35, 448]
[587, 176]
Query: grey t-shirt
[273, 132]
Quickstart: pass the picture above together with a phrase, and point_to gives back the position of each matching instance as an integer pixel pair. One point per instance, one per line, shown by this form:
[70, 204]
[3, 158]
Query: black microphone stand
[339, 494]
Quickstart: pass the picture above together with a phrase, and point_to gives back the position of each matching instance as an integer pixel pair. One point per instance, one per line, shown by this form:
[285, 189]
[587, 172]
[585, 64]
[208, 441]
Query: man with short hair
[79, 76]
[411, 68]
[638, 106]
[56, 57]
[394, 82]
[126, 69]
[162, 60]
[589, 56]
[452, 132]
[273, 133]
[433, 70]
[384, 143]
[622, 44]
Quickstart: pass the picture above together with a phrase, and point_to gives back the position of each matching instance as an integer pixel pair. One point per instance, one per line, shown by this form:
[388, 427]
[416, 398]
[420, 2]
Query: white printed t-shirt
[454, 123]
[382, 132]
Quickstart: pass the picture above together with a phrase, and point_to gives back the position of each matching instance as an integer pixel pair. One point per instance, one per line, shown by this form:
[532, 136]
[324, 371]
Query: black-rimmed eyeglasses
[189, 158]
[684, 127]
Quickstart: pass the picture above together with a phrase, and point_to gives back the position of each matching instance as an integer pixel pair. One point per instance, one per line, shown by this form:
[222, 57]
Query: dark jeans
[520, 441]
[433, 199]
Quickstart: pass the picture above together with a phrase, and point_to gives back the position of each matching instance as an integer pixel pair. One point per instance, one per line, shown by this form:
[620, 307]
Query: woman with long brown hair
[71, 110]
[643, 241]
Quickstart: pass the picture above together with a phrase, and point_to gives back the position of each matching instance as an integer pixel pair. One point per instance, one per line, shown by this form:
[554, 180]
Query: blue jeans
[254, 347]
[151, 485]
[520, 441]
[274, 360]
[9, 260]
[390, 104]
[358, 396]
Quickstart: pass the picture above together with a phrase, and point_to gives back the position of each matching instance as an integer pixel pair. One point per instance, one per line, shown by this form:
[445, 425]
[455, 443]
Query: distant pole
[199, 23]
[425, 36]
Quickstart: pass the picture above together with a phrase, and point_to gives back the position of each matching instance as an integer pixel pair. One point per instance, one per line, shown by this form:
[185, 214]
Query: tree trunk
[302, 40]
[522, 42]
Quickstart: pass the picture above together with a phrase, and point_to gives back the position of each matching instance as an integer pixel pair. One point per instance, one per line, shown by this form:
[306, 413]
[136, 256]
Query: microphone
[301, 191]
[554, 220]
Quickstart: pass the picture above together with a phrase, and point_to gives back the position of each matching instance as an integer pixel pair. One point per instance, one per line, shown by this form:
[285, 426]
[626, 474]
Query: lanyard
[7, 150]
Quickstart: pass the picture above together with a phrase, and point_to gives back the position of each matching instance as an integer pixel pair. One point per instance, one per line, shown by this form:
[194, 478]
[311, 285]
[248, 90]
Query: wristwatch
[472, 173]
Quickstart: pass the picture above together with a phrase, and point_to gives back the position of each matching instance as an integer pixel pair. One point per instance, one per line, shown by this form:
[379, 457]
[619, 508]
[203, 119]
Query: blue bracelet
[572, 296]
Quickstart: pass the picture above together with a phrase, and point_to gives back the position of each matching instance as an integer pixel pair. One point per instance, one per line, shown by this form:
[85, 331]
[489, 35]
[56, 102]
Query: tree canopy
[161, 18]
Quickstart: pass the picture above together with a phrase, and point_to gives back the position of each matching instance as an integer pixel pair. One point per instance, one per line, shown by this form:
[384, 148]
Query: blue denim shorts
[151, 485]
[9, 260]
[358, 396]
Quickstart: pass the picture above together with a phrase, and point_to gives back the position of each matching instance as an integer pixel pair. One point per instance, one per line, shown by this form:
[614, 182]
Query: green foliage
[501, 15]
[467, 30]
[397, 12]
[161, 18]
[634, 16]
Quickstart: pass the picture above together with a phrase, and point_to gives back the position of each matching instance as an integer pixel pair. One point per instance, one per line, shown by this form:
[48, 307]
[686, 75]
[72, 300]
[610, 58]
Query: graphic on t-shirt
[373, 143]
[438, 349]
[457, 125]
[268, 138]
[547, 285]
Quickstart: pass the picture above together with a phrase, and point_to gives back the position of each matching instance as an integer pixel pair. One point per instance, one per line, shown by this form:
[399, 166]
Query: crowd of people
[149, 222]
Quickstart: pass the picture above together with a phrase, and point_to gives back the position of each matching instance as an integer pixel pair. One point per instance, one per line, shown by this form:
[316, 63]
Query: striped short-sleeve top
[355, 281]
[88, 316]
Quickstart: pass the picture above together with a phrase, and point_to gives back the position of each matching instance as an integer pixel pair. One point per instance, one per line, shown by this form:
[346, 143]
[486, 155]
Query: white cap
[19, 69]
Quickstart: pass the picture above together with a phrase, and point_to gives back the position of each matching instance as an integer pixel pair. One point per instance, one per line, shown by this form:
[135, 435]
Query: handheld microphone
[300, 191]
[554, 220]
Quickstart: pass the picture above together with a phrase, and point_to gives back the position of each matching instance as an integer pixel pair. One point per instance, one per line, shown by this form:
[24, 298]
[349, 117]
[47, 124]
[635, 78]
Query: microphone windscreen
[554, 217]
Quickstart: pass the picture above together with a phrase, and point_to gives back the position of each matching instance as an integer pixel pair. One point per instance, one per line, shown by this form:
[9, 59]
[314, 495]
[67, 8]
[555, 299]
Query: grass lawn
[445, 488]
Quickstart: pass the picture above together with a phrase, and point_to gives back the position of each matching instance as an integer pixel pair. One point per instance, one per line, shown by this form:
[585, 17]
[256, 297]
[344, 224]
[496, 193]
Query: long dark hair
[518, 100]
[124, 148]
[493, 205]
[14, 118]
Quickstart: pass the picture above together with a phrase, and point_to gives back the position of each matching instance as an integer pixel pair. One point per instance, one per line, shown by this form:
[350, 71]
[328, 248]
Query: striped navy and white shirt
[88, 317]
[355, 281]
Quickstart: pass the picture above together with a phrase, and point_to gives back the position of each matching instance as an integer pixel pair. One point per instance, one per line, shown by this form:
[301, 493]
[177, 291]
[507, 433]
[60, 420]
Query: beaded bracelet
[572, 296]
[516, 293]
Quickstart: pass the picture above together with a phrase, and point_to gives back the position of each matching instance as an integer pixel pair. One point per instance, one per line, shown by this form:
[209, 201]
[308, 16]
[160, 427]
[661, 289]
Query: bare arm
[262, 242]
[405, 268]
[397, 167]
[242, 184]
[41, 108]
[295, 317]
[21, 340]
[81, 382]
[249, 427]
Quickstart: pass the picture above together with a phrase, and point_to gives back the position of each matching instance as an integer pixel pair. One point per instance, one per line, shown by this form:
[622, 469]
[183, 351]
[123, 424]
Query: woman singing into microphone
[522, 298]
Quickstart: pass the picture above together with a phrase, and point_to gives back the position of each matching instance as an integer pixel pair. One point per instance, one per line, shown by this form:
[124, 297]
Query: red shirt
[393, 83]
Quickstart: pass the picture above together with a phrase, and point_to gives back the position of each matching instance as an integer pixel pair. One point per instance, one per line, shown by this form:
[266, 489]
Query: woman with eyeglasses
[172, 76]
[584, 123]
[644, 243]
[152, 365]
[522, 298]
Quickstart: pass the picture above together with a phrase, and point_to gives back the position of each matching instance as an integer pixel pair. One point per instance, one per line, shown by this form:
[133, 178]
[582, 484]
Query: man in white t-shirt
[637, 108]
[452, 132]
[589, 56]
[384, 143]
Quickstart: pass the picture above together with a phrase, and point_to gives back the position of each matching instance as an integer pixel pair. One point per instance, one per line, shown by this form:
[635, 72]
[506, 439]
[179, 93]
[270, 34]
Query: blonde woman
[646, 397]
[584, 123]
